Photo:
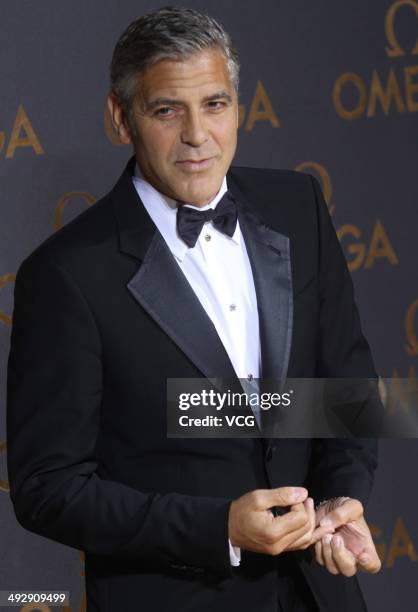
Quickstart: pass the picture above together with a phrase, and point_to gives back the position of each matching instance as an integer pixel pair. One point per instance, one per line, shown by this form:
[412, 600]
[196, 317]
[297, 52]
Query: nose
[194, 131]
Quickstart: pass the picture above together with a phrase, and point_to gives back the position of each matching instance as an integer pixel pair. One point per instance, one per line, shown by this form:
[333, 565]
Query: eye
[216, 104]
[164, 111]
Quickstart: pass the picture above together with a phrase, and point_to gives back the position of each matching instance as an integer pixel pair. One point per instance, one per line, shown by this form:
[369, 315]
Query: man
[137, 290]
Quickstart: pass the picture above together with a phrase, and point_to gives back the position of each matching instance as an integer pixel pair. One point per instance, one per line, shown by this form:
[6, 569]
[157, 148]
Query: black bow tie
[190, 221]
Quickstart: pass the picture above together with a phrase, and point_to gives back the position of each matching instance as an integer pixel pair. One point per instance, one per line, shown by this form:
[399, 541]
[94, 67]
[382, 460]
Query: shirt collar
[163, 211]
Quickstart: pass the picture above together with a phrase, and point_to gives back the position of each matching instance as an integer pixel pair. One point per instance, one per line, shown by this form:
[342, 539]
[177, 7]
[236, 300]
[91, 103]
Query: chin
[203, 190]
[200, 197]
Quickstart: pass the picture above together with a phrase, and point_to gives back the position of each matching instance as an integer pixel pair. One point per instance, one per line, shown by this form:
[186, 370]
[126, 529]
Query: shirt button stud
[232, 307]
[249, 377]
[208, 237]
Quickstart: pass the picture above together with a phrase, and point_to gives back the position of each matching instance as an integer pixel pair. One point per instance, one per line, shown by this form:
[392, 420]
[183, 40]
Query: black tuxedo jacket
[103, 316]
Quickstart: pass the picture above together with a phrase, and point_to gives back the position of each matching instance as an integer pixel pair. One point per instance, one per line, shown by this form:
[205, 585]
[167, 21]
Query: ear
[119, 119]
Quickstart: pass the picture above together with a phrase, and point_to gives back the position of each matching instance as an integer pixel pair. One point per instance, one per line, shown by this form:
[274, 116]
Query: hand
[351, 547]
[315, 533]
[252, 526]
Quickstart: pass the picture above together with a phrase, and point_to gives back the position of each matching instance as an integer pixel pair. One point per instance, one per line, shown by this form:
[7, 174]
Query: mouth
[190, 165]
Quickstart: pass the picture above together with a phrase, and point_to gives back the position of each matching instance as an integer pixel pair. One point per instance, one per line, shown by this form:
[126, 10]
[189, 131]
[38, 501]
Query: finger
[289, 523]
[327, 554]
[298, 507]
[343, 559]
[276, 544]
[312, 535]
[263, 499]
[318, 553]
[302, 542]
[306, 539]
[291, 541]
[305, 506]
[310, 509]
[350, 510]
[370, 562]
[320, 532]
[289, 528]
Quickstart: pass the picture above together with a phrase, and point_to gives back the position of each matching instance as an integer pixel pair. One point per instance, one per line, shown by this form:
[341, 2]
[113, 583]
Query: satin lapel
[160, 286]
[269, 254]
[163, 291]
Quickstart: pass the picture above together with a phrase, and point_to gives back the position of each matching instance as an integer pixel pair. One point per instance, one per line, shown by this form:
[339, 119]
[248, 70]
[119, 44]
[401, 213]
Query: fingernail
[325, 522]
[337, 541]
[327, 538]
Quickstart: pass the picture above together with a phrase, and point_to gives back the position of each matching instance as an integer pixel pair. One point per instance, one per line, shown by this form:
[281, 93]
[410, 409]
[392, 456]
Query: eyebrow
[176, 102]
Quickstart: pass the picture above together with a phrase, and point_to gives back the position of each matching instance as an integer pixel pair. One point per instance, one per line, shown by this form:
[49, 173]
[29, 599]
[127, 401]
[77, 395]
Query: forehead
[195, 74]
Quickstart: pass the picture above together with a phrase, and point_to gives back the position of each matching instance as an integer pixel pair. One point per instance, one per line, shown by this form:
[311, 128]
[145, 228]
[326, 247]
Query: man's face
[185, 121]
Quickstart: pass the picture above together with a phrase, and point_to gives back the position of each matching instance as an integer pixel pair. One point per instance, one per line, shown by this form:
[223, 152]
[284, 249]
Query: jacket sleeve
[54, 391]
[340, 466]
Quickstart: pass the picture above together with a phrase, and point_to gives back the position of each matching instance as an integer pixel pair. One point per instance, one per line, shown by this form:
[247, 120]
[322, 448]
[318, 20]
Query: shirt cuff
[234, 554]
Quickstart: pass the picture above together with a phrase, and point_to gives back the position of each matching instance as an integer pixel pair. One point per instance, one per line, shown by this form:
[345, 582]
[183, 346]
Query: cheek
[158, 143]
[226, 133]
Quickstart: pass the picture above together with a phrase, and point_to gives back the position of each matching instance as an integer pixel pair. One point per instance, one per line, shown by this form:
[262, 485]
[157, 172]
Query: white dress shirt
[219, 272]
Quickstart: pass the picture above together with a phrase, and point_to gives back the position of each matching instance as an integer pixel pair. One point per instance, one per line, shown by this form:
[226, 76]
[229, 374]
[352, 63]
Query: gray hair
[167, 33]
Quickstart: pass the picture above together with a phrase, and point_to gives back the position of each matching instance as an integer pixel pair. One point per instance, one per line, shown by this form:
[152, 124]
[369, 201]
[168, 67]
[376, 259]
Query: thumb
[286, 496]
[370, 561]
